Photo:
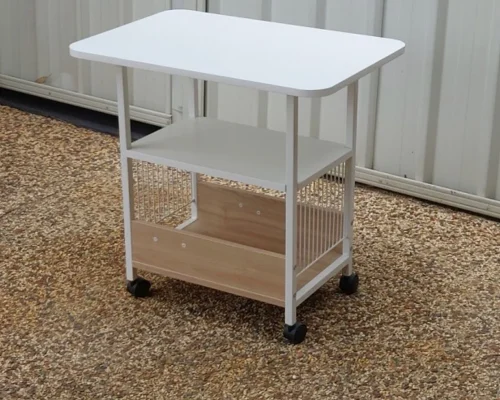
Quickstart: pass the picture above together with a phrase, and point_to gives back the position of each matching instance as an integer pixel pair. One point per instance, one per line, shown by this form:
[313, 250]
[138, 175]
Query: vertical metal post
[352, 116]
[126, 166]
[193, 112]
[292, 104]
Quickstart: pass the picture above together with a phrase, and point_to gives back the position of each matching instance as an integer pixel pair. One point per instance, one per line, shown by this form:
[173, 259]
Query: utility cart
[254, 212]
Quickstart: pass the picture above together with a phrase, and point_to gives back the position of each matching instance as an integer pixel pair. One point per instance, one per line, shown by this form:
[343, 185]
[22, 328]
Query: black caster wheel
[139, 287]
[296, 333]
[349, 284]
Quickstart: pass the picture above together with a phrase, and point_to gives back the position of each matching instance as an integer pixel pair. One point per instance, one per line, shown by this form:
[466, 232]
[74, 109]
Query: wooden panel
[215, 263]
[247, 218]
[232, 214]
[210, 262]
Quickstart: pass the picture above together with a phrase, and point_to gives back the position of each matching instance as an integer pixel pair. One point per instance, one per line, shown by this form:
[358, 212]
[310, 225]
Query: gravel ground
[424, 325]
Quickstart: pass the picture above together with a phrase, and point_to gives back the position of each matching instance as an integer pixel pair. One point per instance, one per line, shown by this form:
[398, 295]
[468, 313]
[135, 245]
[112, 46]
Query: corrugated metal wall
[429, 122]
[432, 117]
[437, 111]
[34, 40]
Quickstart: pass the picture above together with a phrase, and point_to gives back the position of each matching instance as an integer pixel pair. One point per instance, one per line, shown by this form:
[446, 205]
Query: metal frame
[193, 111]
[351, 130]
[344, 262]
[293, 298]
[292, 138]
[126, 165]
[126, 162]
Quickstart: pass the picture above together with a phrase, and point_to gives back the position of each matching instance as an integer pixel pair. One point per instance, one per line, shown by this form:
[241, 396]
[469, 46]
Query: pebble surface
[425, 323]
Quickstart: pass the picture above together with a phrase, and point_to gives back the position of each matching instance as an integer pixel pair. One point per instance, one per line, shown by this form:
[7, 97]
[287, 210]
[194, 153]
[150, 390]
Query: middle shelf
[254, 156]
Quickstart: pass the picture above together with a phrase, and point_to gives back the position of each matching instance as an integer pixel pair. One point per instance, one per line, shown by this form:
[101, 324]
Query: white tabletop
[275, 57]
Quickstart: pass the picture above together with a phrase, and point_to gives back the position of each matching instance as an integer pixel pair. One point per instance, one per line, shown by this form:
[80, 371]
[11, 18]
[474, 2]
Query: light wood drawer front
[209, 261]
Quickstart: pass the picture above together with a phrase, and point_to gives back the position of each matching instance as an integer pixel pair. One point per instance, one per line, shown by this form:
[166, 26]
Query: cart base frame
[248, 264]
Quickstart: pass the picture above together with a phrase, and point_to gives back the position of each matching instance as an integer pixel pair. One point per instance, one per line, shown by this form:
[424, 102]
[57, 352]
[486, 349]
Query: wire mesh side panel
[162, 195]
[320, 216]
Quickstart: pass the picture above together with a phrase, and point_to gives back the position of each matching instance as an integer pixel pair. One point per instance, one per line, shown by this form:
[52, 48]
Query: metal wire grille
[320, 210]
[162, 195]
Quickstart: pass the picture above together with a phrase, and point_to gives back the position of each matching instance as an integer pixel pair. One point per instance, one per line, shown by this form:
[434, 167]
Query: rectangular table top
[275, 57]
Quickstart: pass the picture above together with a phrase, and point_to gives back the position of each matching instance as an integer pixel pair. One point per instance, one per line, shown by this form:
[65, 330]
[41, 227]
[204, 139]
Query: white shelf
[238, 152]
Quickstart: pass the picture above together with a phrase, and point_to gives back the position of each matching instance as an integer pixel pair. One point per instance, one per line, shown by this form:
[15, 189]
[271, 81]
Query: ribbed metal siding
[431, 116]
[34, 42]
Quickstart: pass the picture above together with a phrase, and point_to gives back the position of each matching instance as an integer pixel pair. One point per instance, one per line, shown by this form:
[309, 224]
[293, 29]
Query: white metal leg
[193, 112]
[291, 210]
[352, 115]
[126, 165]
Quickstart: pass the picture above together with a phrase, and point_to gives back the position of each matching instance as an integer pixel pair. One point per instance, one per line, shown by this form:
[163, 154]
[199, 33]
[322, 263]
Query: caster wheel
[139, 287]
[296, 333]
[349, 284]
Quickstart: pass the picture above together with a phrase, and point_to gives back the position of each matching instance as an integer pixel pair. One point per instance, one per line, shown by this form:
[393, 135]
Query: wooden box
[237, 245]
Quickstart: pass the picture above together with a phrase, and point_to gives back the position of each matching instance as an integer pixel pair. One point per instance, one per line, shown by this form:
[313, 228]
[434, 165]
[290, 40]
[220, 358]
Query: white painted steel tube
[126, 166]
[193, 112]
[291, 210]
[352, 115]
